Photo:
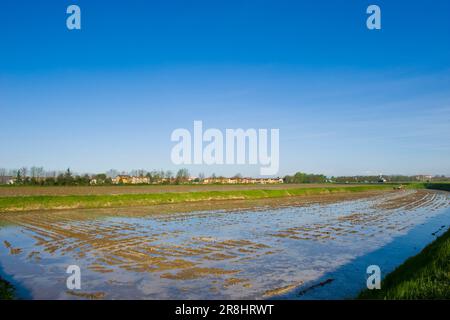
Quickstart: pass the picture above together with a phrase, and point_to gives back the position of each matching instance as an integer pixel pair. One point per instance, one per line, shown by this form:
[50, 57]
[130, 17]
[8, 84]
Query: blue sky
[347, 100]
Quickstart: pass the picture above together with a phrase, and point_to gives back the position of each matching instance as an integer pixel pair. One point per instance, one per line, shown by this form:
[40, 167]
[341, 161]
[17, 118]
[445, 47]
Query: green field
[47, 202]
[424, 276]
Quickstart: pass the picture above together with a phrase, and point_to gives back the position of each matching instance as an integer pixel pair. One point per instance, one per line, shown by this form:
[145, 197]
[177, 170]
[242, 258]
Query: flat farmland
[10, 191]
[116, 197]
[298, 247]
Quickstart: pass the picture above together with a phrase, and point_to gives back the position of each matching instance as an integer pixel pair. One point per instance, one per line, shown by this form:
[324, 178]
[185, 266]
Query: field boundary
[48, 202]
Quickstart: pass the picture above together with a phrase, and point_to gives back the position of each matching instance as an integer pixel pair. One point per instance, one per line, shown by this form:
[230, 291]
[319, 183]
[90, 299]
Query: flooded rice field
[316, 250]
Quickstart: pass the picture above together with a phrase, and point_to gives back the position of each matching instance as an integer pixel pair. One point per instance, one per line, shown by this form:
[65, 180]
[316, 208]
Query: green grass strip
[438, 186]
[46, 202]
[424, 276]
[6, 290]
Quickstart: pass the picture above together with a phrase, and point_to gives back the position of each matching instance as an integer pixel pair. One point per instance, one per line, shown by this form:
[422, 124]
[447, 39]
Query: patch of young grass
[414, 185]
[6, 290]
[45, 202]
[424, 276]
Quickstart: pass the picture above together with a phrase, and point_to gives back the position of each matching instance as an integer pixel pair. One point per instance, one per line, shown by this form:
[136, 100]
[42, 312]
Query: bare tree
[3, 174]
[141, 172]
[40, 172]
[23, 172]
[112, 173]
[51, 174]
[182, 175]
[156, 175]
[33, 172]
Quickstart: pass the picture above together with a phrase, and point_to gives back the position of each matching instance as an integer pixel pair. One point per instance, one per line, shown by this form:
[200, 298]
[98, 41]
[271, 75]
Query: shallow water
[207, 255]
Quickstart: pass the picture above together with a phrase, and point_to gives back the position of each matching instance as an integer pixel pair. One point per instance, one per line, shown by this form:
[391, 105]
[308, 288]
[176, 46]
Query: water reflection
[220, 254]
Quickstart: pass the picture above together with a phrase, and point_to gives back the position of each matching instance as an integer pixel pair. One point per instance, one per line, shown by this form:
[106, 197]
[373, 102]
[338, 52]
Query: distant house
[424, 177]
[140, 180]
[126, 179]
[192, 179]
[7, 180]
[236, 180]
[273, 180]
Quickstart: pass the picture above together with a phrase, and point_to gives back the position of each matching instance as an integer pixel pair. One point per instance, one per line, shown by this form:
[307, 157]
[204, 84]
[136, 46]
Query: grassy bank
[47, 202]
[6, 290]
[438, 186]
[425, 185]
[424, 276]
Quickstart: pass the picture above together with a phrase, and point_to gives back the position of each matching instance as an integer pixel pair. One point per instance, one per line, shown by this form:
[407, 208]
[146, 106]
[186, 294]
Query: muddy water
[300, 252]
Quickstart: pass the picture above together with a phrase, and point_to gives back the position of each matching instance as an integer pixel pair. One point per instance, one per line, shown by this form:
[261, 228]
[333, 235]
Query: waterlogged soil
[271, 248]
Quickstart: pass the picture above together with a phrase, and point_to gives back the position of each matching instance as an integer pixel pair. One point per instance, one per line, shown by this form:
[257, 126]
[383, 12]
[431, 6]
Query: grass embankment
[47, 202]
[428, 185]
[424, 276]
[6, 290]
[438, 186]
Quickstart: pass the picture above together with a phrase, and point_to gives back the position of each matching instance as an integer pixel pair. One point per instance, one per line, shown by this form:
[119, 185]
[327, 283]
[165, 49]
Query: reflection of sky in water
[285, 246]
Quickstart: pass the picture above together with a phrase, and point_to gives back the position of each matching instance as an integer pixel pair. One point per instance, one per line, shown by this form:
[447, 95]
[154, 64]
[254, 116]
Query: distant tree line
[301, 177]
[389, 178]
[38, 176]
